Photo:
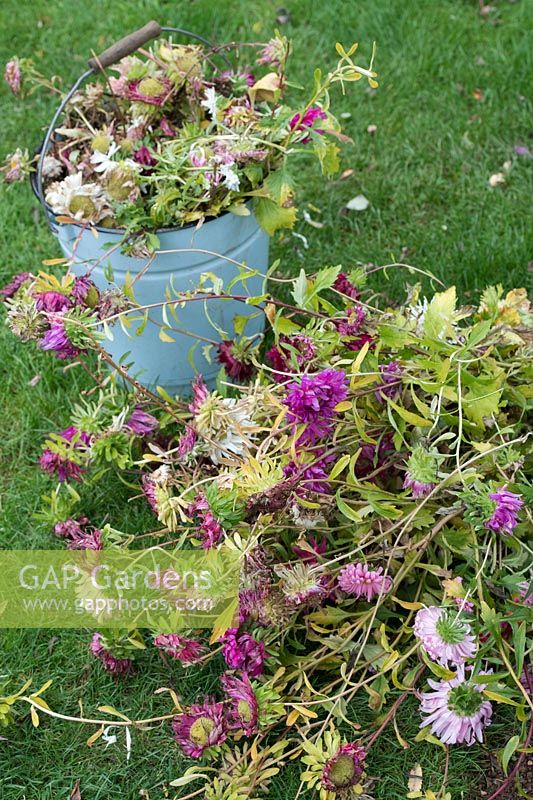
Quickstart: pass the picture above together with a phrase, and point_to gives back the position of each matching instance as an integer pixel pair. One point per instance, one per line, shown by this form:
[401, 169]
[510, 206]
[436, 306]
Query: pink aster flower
[200, 393]
[244, 710]
[186, 441]
[506, 507]
[201, 728]
[456, 709]
[110, 663]
[12, 75]
[119, 86]
[62, 465]
[344, 285]
[209, 527]
[351, 324]
[444, 635]
[242, 651]
[11, 288]
[235, 367]
[188, 651]
[312, 402]
[344, 769]
[166, 128]
[140, 422]
[360, 581]
[79, 534]
[302, 122]
[391, 375]
[56, 339]
[51, 301]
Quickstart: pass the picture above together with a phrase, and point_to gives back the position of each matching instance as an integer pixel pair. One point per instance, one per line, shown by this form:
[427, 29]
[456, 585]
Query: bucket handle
[128, 44]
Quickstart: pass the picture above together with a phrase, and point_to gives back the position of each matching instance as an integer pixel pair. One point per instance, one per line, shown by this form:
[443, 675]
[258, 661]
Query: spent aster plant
[369, 470]
[173, 137]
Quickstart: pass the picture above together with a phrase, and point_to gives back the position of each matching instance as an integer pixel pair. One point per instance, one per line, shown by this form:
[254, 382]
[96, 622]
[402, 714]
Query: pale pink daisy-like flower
[456, 709]
[12, 75]
[360, 581]
[445, 637]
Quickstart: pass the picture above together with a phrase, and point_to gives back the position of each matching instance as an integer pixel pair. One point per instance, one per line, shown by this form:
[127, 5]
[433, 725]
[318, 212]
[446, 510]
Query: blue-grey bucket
[213, 248]
[184, 255]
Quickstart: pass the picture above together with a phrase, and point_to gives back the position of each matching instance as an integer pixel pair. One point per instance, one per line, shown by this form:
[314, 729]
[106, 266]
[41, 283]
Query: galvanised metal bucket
[173, 365]
[154, 362]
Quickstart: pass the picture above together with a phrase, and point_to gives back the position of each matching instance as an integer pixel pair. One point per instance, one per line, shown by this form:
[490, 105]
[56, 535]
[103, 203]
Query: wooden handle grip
[126, 45]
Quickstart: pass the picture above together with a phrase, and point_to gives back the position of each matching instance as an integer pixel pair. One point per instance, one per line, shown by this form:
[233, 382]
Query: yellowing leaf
[271, 216]
[408, 416]
[440, 315]
[266, 88]
[164, 336]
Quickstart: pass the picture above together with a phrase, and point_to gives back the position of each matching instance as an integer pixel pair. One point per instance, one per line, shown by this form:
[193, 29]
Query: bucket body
[173, 365]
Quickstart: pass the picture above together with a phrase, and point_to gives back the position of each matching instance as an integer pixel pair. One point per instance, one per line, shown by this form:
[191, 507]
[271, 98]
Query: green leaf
[272, 217]
[408, 416]
[439, 318]
[280, 185]
[508, 751]
[519, 646]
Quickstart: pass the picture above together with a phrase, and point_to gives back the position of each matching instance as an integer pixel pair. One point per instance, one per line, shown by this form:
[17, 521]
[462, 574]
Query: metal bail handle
[124, 47]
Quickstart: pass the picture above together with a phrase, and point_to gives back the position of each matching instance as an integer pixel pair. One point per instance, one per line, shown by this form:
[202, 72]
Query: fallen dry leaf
[75, 793]
[497, 179]
[478, 95]
[371, 129]
[346, 174]
[414, 783]
[358, 203]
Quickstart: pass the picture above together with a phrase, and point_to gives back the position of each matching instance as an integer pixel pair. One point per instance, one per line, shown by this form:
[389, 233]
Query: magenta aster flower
[56, 339]
[188, 651]
[12, 75]
[200, 393]
[51, 301]
[299, 347]
[235, 367]
[244, 710]
[360, 581]
[209, 527]
[70, 527]
[312, 402]
[154, 91]
[148, 486]
[421, 474]
[374, 456]
[391, 375]
[456, 709]
[186, 441]
[110, 663]
[318, 548]
[242, 651]
[350, 325]
[302, 122]
[144, 157]
[444, 635]
[79, 534]
[140, 422]
[62, 465]
[506, 507]
[344, 769]
[201, 728]
[344, 285]
[85, 293]
[14, 285]
[166, 128]
[312, 477]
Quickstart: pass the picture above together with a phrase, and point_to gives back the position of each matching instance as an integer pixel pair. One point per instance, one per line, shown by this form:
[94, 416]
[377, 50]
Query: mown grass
[451, 106]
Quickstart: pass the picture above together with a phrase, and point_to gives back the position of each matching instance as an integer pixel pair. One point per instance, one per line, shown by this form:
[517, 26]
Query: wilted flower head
[140, 422]
[344, 769]
[56, 339]
[274, 52]
[312, 403]
[244, 709]
[242, 651]
[11, 288]
[54, 462]
[234, 361]
[344, 285]
[210, 529]
[201, 728]
[360, 581]
[421, 474]
[506, 507]
[444, 635]
[153, 91]
[52, 167]
[51, 302]
[85, 292]
[109, 661]
[391, 376]
[181, 648]
[85, 202]
[299, 347]
[301, 584]
[310, 477]
[12, 75]
[17, 166]
[302, 122]
[80, 535]
[351, 324]
[457, 711]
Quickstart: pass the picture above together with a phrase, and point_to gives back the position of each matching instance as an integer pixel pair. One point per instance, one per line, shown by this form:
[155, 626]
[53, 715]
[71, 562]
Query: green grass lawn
[450, 109]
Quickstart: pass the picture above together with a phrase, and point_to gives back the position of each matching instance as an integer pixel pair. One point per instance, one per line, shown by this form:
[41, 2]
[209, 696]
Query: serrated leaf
[272, 217]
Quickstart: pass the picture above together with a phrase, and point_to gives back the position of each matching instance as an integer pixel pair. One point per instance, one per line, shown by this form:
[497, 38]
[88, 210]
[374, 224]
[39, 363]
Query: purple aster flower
[343, 770]
[506, 507]
[456, 709]
[85, 292]
[209, 527]
[144, 157]
[242, 651]
[235, 367]
[70, 527]
[202, 727]
[110, 663]
[374, 456]
[188, 651]
[312, 477]
[351, 324]
[200, 393]
[14, 285]
[186, 441]
[421, 474]
[244, 710]
[12, 75]
[522, 150]
[315, 549]
[51, 301]
[444, 635]
[391, 375]
[360, 581]
[56, 339]
[148, 487]
[302, 122]
[140, 422]
[62, 465]
[312, 403]
[344, 285]
[298, 346]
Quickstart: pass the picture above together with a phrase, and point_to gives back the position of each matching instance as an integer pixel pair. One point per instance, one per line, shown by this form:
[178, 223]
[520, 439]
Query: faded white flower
[231, 179]
[103, 162]
[210, 102]
[85, 202]
[52, 167]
